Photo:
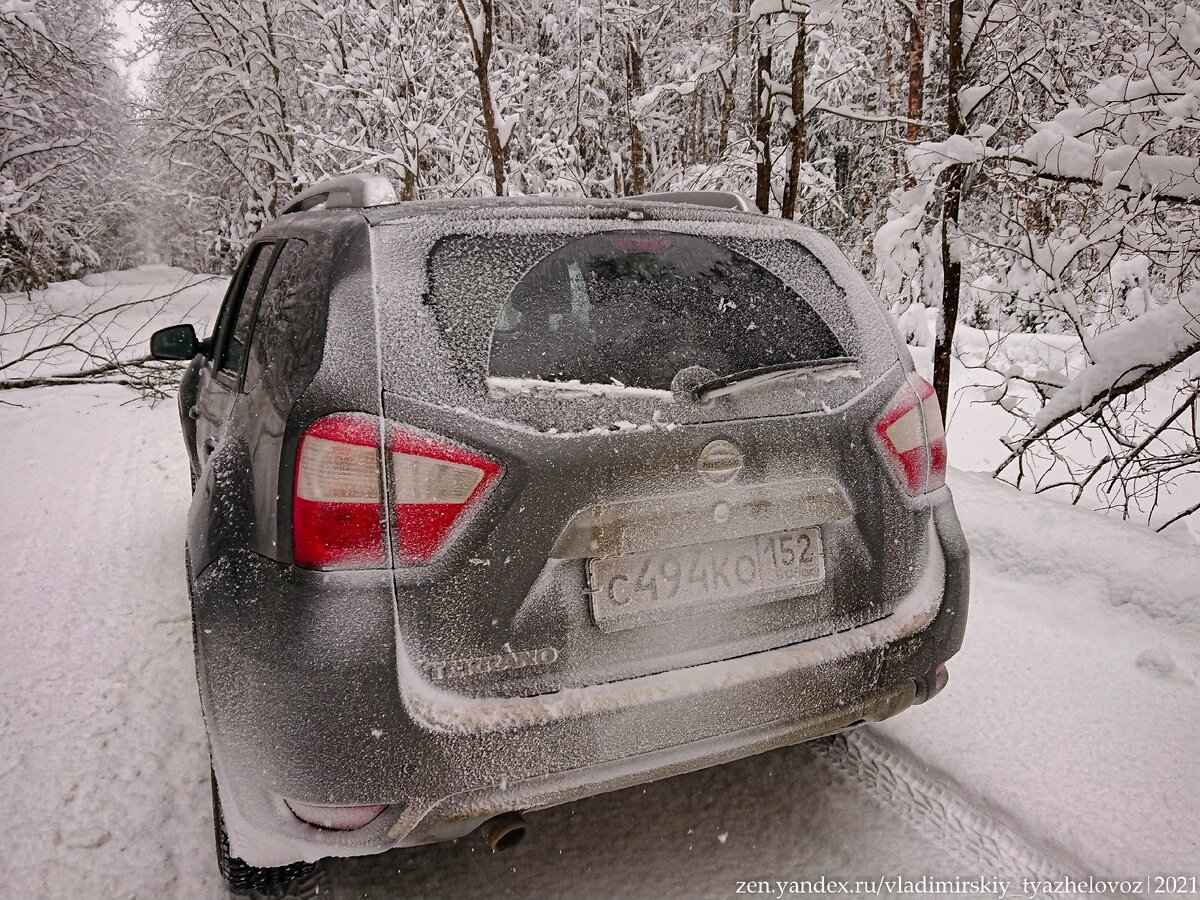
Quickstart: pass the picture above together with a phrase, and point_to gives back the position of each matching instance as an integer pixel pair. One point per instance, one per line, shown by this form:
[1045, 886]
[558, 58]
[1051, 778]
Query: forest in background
[1017, 166]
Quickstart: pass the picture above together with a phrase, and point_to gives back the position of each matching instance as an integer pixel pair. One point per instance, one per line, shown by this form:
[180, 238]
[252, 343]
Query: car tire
[297, 881]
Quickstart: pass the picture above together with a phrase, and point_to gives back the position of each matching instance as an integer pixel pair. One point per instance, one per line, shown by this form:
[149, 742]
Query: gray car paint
[303, 673]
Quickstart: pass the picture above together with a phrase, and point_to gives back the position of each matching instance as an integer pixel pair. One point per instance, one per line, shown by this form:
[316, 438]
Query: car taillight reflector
[434, 485]
[912, 438]
[333, 472]
[335, 818]
[337, 516]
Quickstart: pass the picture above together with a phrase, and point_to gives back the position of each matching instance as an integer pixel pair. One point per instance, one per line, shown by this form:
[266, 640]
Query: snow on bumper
[302, 701]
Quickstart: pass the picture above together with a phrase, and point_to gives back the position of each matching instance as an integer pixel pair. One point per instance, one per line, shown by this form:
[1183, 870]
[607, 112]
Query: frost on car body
[531, 500]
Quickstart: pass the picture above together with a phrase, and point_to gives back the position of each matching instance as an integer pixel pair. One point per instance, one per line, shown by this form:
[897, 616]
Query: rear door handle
[194, 412]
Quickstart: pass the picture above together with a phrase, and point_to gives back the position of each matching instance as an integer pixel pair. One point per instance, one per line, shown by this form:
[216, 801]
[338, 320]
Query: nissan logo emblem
[719, 462]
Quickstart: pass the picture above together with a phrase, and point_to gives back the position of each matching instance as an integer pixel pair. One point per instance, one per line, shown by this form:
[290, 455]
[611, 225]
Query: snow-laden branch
[1125, 358]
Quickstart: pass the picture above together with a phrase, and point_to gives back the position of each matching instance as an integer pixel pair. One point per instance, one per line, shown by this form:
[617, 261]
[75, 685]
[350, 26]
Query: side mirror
[176, 342]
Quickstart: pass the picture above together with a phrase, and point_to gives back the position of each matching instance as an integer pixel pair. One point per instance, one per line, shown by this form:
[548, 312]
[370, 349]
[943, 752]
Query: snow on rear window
[441, 282]
[635, 309]
[628, 308]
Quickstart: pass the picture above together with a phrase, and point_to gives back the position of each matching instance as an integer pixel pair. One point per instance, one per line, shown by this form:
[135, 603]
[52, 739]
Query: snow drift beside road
[1071, 712]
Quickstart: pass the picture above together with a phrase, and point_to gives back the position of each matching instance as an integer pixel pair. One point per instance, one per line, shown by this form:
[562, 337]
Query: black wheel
[298, 881]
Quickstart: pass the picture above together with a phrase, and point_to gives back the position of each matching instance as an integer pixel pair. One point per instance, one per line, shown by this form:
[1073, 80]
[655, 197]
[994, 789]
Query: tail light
[434, 485]
[912, 438]
[337, 517]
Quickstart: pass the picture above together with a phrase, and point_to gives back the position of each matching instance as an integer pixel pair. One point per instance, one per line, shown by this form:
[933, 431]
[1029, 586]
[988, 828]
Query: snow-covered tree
[226, 102]
[1076, 163]
[61, 111]
[1032, 162]
[389, 83]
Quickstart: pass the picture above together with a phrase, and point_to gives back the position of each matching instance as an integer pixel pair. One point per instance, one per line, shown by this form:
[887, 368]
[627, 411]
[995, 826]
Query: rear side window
[234, 353]
[284, 325]
[637, 307]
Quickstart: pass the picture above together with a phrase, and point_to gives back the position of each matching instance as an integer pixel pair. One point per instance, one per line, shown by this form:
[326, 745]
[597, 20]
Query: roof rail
[344, 192]
[719, 199]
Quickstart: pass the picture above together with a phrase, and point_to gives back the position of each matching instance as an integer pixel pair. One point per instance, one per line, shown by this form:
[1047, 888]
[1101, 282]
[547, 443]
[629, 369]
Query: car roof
[372, 190]
[546, 206]
[626, 208]
[650, 208]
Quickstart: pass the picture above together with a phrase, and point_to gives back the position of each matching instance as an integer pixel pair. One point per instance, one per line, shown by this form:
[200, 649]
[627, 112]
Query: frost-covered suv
[499, 504]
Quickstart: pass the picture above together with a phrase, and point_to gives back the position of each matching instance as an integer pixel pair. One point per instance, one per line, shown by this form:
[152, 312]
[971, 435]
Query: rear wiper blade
[821, 369]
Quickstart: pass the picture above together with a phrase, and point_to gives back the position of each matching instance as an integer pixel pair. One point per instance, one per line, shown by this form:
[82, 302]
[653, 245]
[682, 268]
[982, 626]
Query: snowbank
[1071, 712]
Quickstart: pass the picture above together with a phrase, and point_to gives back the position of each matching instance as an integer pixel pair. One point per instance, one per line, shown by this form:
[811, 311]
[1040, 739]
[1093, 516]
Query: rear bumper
[302, 701]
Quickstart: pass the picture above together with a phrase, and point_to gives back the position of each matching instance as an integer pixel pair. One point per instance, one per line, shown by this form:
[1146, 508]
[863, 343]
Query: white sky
[130, 20]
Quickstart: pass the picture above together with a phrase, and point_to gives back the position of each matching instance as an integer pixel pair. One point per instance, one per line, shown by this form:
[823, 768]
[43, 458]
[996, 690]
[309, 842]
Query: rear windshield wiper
[821, 369]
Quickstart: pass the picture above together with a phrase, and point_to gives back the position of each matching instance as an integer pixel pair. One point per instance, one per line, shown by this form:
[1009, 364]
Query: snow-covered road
[1063, 746]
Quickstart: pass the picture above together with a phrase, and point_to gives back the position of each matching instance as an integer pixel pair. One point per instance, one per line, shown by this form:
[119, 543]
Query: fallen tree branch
[144, 373]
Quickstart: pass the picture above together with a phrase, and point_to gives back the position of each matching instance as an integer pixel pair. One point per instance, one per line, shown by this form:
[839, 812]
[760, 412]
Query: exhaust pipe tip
[504, 831]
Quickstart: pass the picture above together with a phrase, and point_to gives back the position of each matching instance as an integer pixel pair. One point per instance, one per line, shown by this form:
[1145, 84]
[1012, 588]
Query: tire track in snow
[982, 844]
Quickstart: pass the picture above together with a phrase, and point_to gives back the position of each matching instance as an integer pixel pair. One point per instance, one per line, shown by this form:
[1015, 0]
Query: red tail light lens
[912, 438]
[435, 485]
[337, 516]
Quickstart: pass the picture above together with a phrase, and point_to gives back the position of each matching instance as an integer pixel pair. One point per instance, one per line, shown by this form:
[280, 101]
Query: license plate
[640, 587]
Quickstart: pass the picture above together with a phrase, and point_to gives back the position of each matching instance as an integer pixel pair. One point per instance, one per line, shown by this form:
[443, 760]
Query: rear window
[637, 307]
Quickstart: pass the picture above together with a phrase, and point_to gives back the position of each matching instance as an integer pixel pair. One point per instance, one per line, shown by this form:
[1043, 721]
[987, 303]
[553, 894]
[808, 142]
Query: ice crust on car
[569, 390]
[440, 357]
